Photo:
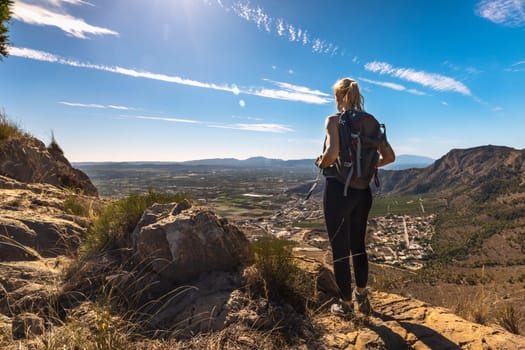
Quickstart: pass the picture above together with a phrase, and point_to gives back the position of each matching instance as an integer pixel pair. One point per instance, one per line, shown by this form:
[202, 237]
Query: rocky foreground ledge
[407, 323]
[398, 322]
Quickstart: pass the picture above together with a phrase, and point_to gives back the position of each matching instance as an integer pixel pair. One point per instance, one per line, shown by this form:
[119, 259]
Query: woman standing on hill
[346, 215]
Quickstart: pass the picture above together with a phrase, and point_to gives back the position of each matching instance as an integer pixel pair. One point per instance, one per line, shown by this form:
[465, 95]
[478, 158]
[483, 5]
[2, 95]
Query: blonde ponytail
[349, 96]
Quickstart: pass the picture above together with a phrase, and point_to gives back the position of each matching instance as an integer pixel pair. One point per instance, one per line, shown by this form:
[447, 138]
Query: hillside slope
[476, 170]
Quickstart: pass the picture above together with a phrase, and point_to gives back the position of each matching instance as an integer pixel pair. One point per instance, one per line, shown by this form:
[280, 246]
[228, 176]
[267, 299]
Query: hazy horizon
[127, 80]
[225, 158]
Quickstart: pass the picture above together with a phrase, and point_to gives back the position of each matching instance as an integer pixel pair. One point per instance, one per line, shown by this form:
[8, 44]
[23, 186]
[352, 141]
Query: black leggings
[346, 219]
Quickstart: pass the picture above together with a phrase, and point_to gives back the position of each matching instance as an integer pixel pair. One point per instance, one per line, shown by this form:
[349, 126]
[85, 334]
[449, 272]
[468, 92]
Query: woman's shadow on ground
[426, 335]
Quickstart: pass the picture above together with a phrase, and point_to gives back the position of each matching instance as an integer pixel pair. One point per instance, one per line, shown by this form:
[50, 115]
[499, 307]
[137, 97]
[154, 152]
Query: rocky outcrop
[34, 222]
[184, 242]
[196, 253]
[405, 323]
[27, 159]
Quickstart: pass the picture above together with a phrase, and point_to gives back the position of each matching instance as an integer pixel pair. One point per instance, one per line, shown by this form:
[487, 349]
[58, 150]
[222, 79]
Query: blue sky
[174, 80]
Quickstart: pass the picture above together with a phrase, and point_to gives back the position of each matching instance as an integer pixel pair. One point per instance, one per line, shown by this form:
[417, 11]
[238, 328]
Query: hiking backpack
[360, 135]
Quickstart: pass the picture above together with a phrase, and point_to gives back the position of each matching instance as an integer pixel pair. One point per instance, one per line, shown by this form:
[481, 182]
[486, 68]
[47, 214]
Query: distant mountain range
[407, 161]
[482, 170]
[402, 162]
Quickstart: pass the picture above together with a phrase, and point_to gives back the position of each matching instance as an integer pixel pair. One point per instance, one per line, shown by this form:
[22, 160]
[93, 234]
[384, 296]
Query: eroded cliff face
[28, 160]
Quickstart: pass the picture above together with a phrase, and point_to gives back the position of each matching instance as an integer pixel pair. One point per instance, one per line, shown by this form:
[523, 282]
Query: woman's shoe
[342, 309]
[363, 304]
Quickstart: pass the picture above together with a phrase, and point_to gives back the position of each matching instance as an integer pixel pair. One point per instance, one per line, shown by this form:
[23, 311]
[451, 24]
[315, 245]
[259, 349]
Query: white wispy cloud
[48, 57]
[71, 2]
[286, 92]
[516, 67]
[293, 92]
[274, 128]
[259, 127]
[41, 16]
[297, 88]
[32, 54]
[505, 12]
[95, 105]
[293, 33]
[288, 95]
[171, 120]
[416, 92]
[252, 14]
[451, 65]
[393, 86]
[434, 81]
[247, 118]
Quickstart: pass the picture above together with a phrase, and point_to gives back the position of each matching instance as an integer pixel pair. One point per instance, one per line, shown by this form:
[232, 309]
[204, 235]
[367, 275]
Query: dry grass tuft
[276, 276]
[8, 129]
[474, 306]
[509, 318]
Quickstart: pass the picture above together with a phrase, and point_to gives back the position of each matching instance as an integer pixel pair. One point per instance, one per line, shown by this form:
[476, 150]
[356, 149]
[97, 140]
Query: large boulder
[183, 242]
[28, 160]
[194, 261]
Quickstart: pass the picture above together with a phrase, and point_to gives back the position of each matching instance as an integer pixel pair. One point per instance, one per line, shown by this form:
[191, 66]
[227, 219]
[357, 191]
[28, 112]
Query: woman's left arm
[386, 153]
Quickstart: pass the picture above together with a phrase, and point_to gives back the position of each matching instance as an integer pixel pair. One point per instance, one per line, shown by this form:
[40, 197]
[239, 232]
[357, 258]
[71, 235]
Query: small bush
[281, 277]
[118, 219]
[474, 306]
[8, 129]
[509, 319]
[76, 206]
[273, 259]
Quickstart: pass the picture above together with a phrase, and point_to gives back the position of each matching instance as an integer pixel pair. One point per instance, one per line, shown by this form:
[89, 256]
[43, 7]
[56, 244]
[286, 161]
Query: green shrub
[76, 206]
[273, 259]
[282, 278]
[118, 219]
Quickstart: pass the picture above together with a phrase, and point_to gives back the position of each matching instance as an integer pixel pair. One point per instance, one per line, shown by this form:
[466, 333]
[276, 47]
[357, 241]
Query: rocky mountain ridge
[402, 162]
[473, 169]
